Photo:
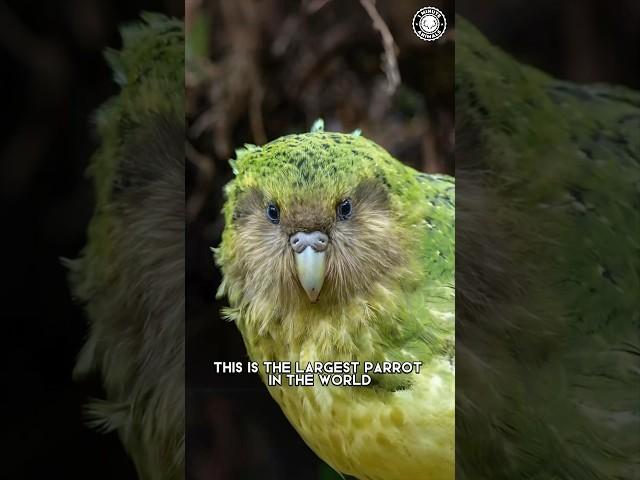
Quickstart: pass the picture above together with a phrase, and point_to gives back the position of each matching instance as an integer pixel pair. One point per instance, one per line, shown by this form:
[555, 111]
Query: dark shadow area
[581, 41]
[53, 78]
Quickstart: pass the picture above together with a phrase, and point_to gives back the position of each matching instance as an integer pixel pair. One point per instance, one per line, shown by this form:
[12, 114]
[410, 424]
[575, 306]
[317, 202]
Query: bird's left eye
[273, 213]
[344, 209]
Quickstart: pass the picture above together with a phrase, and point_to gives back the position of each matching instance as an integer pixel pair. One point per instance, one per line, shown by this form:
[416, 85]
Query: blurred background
[256, 70]
[53, 78]
[584, 41]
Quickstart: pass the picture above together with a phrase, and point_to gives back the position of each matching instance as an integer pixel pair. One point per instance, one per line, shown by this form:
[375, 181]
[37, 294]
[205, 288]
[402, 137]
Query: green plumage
[130, 276]
[549, 271]
[388, 295]
[150, 73]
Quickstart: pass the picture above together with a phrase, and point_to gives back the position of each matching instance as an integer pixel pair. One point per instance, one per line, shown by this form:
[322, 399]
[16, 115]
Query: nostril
[301, 240]
[297, 242]
[320, 241]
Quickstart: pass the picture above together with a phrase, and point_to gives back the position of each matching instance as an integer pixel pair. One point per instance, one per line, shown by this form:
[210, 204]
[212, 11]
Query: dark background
[53, 78]
[326, 65]
[584, 41]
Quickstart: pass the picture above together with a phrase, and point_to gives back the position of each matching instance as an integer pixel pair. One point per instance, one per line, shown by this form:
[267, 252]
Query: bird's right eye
[273, 213]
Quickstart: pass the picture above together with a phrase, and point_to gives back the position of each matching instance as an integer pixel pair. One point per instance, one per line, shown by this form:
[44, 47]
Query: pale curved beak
[311, 266]
[310, 252]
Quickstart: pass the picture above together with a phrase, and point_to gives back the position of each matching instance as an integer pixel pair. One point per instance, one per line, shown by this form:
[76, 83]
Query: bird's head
[313, 222]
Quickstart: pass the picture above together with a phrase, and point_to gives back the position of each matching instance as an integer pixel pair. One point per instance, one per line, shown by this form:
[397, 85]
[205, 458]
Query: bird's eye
[344, 209]
[273, 213]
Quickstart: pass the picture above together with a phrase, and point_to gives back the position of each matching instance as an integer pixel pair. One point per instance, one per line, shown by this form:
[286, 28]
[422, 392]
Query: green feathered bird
[548, 273]
[131, 273]
[335, 251]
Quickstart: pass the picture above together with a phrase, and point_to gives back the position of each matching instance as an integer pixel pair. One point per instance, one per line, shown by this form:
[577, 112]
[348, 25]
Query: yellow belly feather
[375, 435]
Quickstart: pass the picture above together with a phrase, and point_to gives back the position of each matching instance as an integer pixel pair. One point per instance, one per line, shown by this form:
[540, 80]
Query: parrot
[130, 275]
[548, 271]
[334, 251]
